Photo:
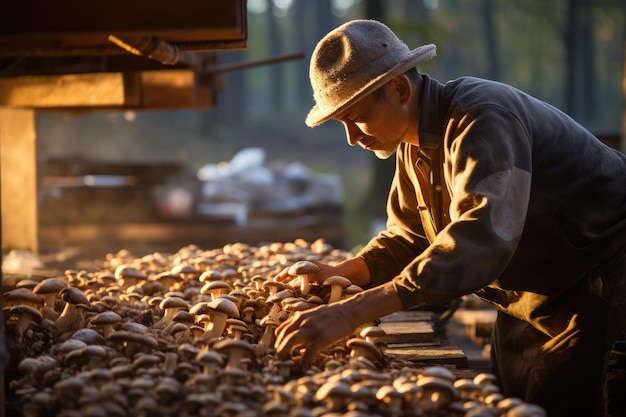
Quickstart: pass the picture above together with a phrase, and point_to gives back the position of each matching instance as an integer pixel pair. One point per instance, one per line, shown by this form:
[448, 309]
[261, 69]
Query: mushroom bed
[191, 333]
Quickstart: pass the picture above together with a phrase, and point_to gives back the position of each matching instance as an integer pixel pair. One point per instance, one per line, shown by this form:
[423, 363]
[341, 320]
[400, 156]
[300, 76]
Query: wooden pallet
[411, 337]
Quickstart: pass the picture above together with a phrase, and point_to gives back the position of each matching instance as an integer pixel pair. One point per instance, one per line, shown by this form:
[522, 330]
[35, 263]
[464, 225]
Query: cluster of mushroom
[192, 333]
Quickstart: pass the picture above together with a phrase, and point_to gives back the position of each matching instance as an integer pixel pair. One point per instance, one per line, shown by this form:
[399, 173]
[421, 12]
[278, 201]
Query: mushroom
[363, 348]
[128, 275]
[334, 394]
[133, 342]
[303, 271]
[221, 309]
[49, 289]
[216, 288]
[468, 389]
[25, 316]
[168, 280]
[267, 340]
[337, 284]
[508, 403]
[105, 322]
[22, 296]
[71, 318]
[373, 335]
[170, 306]
[526, 410]
[210, 360]
[437, 393]
[235, 351]
[392, 399]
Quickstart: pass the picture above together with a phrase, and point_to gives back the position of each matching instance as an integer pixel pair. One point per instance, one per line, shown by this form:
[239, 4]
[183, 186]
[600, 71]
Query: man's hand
[312, 330]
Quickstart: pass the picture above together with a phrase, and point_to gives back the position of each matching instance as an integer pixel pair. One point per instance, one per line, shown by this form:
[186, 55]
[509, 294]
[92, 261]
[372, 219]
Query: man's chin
[384, 154]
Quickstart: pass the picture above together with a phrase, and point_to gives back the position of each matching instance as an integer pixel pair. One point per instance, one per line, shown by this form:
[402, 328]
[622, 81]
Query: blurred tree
[580, 100]
[491, 41]
[276, 90]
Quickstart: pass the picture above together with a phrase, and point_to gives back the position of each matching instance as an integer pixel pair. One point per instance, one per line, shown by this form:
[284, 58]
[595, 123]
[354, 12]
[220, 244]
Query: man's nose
[353, 133]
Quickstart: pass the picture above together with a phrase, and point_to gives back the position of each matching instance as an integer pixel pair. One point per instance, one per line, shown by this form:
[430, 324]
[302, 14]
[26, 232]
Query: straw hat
[352, 61]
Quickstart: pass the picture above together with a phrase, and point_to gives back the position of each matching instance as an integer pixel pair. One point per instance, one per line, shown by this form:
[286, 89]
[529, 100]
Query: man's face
[375, 124]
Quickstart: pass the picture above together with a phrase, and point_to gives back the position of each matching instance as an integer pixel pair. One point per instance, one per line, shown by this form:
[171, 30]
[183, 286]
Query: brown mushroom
[221, 309]
[106, 321]
[337, 284]
[235, 351]
[72, 318]
[303, 270]
[49, 289]
[25, 316]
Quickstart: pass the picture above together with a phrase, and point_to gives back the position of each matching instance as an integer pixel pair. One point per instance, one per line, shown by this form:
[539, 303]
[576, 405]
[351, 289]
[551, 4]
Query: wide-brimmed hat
[353, 60]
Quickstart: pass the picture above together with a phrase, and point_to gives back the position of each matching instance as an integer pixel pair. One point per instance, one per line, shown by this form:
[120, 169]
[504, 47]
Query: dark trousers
[566, 374]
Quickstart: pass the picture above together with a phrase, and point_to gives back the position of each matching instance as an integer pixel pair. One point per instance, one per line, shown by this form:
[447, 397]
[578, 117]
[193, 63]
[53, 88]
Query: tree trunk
[493, 70]
[622, 144]
[276, 71]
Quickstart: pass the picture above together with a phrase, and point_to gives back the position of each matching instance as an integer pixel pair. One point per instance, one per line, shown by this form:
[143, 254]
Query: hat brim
[318, 115]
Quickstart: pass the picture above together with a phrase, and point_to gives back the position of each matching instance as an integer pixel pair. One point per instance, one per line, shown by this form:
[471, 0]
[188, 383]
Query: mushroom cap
[210, 275]
[372, 331]
[225, 345]
[210, 356]
[484, 378]
[280, 296]
[200, 308]
[128, 336]
[335, 388]
[173, 302]
[357, 343]
[49, 285]
[224, 305]
[508, 403]
[388, 391]
[183, 316]
[74, 296]
[303, 267]
[106, 317]
[128, 271]
[21, 295]
[438, 384]
[439, 372]
[276, 284]
[183, 268]
[337, 280]
[526, 410]
[268, 321]
[20, 310]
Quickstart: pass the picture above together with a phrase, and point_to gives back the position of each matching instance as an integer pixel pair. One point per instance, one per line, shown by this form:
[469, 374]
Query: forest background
[569, 53]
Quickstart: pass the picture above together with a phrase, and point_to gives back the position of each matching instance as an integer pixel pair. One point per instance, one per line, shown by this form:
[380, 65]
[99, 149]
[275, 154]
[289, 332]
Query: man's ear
[402, 87]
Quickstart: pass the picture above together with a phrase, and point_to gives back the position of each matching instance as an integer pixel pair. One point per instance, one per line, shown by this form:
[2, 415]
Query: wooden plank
[407, 332]
[104, 89]
[409, 315]
[428, 354]
[18, 179]
[63, 27]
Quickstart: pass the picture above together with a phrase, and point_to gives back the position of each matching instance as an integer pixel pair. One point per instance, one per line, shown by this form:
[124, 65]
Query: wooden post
[18, 183]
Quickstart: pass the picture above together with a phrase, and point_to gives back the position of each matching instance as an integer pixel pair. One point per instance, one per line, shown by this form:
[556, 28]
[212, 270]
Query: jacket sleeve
[487, 169]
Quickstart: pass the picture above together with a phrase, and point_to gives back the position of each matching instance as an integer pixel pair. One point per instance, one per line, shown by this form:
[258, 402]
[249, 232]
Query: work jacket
[506, 197]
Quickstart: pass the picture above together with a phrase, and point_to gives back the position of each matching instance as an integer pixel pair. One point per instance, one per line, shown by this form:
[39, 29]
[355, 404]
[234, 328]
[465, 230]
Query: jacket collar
[434, 106]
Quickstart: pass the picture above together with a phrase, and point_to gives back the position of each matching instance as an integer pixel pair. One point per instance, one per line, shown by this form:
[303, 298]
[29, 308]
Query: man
[495, 193]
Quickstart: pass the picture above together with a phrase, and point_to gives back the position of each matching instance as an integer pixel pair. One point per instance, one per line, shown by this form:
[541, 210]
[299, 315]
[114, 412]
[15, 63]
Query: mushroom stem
[216, 326]
[335, 293]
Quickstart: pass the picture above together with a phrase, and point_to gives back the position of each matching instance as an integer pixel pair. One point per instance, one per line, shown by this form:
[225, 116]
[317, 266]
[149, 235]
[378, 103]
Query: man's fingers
[283, 275]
